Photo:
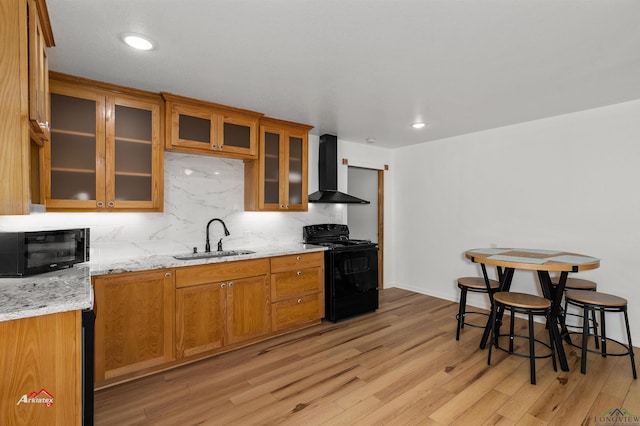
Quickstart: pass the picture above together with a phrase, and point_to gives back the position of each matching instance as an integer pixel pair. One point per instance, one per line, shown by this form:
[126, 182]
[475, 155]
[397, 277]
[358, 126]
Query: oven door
[352, 282]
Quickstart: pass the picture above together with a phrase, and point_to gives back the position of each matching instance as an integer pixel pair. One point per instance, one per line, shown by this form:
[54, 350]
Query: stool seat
[576, 284]
[595, 298]
[477, 283]
[522, 300]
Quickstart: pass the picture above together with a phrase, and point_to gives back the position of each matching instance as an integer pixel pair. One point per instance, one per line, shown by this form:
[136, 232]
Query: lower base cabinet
[152, 320]
[41, 370]
[134, 322]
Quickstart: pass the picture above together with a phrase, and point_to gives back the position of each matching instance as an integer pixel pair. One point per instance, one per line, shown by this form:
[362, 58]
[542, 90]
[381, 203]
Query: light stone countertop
[70, 289]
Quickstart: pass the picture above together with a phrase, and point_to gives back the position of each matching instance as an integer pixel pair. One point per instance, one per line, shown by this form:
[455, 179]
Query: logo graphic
[40, 397]
[617, 416]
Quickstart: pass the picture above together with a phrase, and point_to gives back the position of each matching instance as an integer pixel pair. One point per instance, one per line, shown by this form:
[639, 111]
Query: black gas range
[351, 270]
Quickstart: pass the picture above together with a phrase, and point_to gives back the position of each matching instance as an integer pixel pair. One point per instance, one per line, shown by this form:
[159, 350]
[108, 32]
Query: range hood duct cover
[328, 175]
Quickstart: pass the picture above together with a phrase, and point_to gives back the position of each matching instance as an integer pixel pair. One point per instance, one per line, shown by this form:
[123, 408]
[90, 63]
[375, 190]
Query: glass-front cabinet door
[105, 151]
[133, 151]
[278, 180]
[296, 156]
[203, 127]
[76, 152]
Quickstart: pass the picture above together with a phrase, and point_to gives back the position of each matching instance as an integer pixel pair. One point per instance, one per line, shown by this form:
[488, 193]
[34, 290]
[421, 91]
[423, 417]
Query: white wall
[569, 183]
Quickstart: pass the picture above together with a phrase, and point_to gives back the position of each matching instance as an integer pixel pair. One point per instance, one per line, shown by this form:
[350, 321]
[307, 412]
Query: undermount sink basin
[205, 255]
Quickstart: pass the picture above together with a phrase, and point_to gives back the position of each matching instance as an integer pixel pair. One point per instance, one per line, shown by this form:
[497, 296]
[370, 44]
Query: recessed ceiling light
[418, 125]
[138, 41]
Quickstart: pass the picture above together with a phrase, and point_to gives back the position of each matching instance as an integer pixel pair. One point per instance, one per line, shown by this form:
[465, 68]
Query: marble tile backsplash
[196, 189]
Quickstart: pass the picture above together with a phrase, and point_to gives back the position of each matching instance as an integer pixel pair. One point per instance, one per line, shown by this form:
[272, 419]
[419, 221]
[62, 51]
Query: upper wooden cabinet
[203, 127]
[40, 38]
[105, 152]
[25, 33]
[277, 180]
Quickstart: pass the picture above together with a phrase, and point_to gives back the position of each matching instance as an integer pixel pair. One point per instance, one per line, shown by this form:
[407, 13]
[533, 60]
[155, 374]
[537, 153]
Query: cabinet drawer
[223, 271]
[297, 261]
[294, 312]
[290, 284]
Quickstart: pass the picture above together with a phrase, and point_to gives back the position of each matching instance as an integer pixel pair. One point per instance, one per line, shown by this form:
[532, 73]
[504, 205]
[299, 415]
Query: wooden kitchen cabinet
[201, 127]
[134, 328]
[40, 38]
[106, 147]
[41, 355]
[277, 180]
[25, 34]
[221, 304]
[297, 290]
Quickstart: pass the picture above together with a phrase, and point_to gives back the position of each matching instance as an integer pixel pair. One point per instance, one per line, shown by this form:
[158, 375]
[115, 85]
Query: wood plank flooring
[398, 366]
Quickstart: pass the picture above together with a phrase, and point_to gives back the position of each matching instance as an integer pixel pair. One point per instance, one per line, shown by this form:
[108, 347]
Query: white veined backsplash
[196, 189]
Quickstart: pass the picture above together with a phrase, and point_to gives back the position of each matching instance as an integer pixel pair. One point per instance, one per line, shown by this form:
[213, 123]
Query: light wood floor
[398, 366]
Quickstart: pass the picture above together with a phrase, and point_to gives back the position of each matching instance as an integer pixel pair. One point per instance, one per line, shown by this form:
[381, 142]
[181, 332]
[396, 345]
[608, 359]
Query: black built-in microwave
[35, 252]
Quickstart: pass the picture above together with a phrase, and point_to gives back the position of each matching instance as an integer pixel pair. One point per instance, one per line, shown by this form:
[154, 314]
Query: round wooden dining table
[542, 261]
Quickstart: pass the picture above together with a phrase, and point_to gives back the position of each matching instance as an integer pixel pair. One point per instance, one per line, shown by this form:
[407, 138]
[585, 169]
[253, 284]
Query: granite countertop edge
[70, 289]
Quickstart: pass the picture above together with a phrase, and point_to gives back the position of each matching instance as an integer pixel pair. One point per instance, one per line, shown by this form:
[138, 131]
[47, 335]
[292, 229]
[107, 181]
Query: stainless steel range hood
[328, 175]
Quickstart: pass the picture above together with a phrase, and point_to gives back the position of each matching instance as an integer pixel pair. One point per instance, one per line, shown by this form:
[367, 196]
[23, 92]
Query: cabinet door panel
[134, 317]
[76, 168]
[249, 313]
[271, 157]
[296, 190]
[200, 318]
[133, 142]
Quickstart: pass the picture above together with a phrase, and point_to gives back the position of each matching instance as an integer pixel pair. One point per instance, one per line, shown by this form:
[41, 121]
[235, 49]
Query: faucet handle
[195, 250]
[220, 245]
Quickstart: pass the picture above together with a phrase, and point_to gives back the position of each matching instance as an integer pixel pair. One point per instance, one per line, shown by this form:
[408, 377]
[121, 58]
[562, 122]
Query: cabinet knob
[214, 146]
[167, 275]
[100, 204]
[111, 204]
[230, 283]
[299, 258]
[223, 285]
[287, 206]
[221, 147]
[299, 300]
[282, 206]
[299, 273]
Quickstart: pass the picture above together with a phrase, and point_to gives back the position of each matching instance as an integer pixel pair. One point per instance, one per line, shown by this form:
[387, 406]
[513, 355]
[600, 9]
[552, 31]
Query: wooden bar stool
[579, 284]
[476, 285]
[590, 301]
[531, 306]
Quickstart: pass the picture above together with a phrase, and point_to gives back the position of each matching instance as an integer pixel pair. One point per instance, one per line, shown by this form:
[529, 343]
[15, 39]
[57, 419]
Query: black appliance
[36, 252]
[350, 271]
[328, 175]
[88, 355]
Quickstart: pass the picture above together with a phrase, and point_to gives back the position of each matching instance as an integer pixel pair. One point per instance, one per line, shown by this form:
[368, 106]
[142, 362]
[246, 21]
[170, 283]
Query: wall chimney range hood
[328, 175]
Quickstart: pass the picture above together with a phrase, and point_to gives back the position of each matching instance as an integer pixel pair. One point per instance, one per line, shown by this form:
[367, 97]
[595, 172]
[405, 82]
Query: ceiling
[365, 68]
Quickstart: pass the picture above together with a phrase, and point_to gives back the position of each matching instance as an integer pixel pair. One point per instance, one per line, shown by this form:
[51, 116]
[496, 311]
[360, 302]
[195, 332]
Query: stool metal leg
[585, 337]
[532, 351]
[461, 311]
[603, 334]
[512, 317]
[633, 362]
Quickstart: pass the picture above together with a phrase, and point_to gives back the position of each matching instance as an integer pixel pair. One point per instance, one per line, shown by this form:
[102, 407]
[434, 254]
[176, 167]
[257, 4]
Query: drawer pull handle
[299, 300]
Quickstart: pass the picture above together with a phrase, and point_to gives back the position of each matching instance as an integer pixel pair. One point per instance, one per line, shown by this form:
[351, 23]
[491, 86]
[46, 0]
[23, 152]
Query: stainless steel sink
[205, 255]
